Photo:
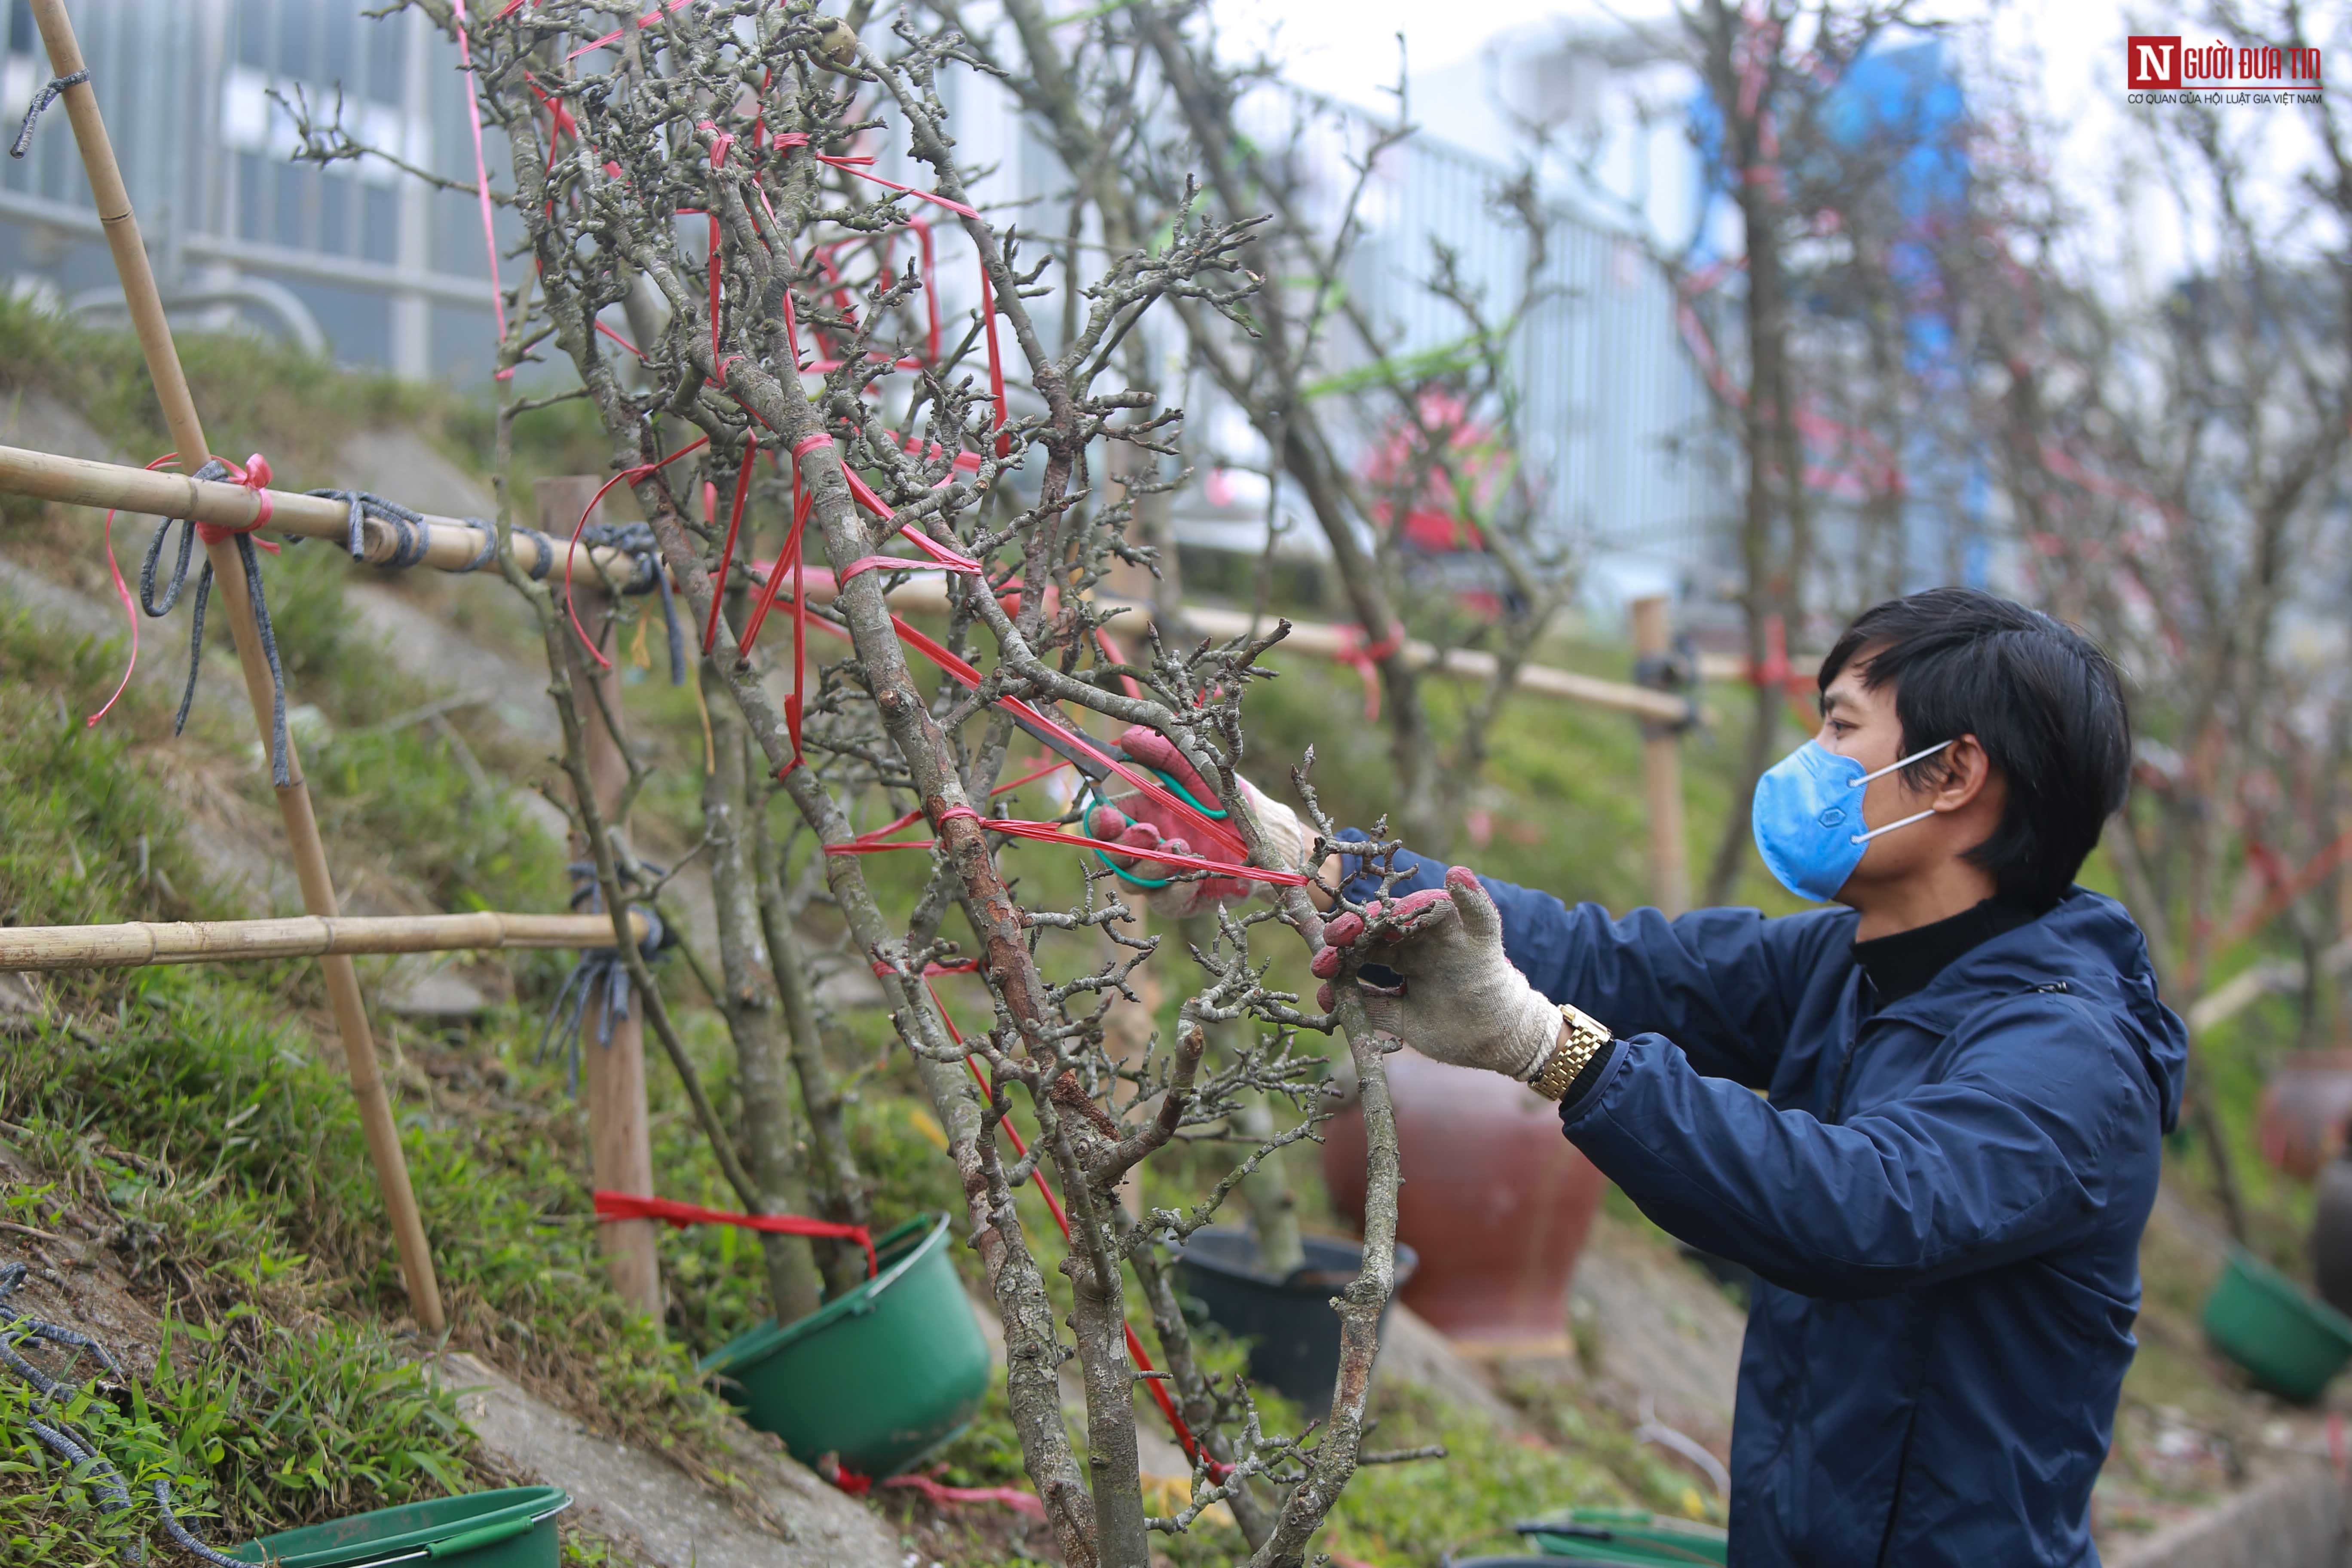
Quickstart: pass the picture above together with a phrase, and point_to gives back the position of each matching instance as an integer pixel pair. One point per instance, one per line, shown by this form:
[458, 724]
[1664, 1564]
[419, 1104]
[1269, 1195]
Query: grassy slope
[246, 1114]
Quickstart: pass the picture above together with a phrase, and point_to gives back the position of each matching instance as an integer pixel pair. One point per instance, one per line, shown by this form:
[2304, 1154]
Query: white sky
[1348, 47]
[2073, 48]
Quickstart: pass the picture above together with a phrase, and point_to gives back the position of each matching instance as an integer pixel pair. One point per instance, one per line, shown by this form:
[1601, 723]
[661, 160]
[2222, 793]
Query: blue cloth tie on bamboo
[411, 536]
[256, 476]
[70, 1443]
[41, 100]
[636, 540]
[601, 972]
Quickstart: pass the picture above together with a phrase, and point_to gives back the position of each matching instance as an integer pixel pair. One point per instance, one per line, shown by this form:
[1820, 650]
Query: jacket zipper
[1845, 1067]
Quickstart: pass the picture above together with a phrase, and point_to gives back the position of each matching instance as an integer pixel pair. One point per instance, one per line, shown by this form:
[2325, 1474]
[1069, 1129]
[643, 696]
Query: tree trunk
[772, 1138]
[839, 1187]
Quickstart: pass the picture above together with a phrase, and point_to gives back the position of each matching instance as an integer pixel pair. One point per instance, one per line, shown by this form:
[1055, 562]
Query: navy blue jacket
[1942, 1201]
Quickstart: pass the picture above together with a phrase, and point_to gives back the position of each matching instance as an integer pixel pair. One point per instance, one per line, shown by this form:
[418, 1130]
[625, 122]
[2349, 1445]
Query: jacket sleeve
[1722, 984]
[2007, 1156]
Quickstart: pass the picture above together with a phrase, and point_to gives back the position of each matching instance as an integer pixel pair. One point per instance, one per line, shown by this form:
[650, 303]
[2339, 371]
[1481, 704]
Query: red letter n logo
[2155, 62]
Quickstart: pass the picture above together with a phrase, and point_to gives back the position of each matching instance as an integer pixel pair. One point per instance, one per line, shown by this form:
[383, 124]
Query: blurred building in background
[374, 269]
[357, 261]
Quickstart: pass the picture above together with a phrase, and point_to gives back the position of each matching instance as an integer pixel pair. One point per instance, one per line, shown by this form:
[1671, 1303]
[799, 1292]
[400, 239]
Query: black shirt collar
[1907, 962]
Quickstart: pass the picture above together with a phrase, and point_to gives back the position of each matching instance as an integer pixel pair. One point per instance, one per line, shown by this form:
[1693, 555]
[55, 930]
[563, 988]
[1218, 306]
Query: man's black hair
[2040, 696]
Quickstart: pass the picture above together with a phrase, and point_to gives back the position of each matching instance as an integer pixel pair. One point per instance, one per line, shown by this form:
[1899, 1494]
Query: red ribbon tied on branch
[1364, 658]
[858, 164]
[1218, 1470]
[611, 1206]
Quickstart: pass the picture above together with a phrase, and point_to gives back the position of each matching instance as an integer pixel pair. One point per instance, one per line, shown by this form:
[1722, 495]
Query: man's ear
[1966, 773]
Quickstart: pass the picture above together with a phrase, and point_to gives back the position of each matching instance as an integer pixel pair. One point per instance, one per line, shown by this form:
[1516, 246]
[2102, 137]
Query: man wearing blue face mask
[1964, 1070]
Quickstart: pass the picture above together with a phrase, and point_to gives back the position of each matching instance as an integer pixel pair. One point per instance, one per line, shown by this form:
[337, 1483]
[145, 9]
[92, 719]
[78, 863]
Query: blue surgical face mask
[1808, 817]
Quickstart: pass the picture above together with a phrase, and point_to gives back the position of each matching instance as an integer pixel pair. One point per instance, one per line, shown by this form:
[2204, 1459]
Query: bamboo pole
[1661, 771]
[146, 309]
[454, 545]
[929, 593]
[1470, 664]
[137, 943]
[620, 1131]
[79, 481]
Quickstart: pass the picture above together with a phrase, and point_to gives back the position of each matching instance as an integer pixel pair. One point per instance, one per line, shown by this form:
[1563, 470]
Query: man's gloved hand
[1460, 1000]
[1143, 825]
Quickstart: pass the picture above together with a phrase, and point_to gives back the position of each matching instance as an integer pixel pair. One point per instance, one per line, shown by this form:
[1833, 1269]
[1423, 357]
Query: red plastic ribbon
[572, 552]
[942, 557]
[858, 164]
[630, 1205]
[1013, 1497]
[1213, 832]
[796, 704]
[734, 527]
[1364, 658]
[1050, 833]
[129, 607]
[482, 173]
[254, 476]
[1218, 1471]
[995, 363]
[625, 342]
[615, 36]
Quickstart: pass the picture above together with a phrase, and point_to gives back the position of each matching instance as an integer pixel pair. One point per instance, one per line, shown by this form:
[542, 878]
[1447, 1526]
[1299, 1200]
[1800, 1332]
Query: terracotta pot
[1496, 1202]
[2304, 1108]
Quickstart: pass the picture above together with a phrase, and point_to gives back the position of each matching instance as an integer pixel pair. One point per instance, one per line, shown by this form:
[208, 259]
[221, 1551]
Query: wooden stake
[146, 309]
[620, 1137]
[1661, 771]
[140, 942]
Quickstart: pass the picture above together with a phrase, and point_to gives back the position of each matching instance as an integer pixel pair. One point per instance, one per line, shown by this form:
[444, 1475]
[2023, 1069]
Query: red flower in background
[1478, 468]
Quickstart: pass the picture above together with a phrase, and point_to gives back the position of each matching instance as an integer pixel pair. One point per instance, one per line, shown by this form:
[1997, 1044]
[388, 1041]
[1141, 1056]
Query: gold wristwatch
[1586, 1036]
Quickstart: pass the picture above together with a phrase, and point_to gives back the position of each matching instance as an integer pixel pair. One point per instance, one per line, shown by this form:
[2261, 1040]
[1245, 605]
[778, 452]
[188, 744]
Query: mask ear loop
[1899, 763]
[1915, 817]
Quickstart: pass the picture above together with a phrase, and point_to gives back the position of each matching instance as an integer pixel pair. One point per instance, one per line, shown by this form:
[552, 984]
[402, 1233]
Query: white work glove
[1459, 999]
[1143, 825]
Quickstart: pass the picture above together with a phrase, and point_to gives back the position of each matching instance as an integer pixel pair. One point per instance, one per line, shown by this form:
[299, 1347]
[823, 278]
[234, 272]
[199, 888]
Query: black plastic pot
[1289, 1325]
[2331, 1236]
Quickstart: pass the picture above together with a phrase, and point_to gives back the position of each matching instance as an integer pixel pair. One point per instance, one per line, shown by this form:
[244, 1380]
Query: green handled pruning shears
[1086, 822]
[1096, 769]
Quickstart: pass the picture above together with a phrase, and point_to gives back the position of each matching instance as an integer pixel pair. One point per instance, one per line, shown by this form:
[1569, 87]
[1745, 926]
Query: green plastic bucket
[510, 1529]
[880, 1375]
[2288, 1341]
[1627, 1536]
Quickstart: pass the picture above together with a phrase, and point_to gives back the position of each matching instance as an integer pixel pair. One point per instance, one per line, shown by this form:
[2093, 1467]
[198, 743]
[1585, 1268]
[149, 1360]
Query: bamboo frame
[455, 544]
[79, 481]
[137, 943]
[309, 854]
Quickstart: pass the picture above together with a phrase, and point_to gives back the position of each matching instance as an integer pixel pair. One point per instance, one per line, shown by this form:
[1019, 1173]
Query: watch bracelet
[1569, 1057]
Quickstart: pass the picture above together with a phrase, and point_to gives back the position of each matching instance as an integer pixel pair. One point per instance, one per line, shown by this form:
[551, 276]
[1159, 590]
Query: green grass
[191, 1107]
[253, 1426]
[1405, 1515]
[261, 395]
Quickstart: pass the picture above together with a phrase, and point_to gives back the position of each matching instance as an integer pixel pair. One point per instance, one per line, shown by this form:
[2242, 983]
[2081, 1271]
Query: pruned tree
[1145, 114]
[1804, 323]
[775, 326]
[2174, 459]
